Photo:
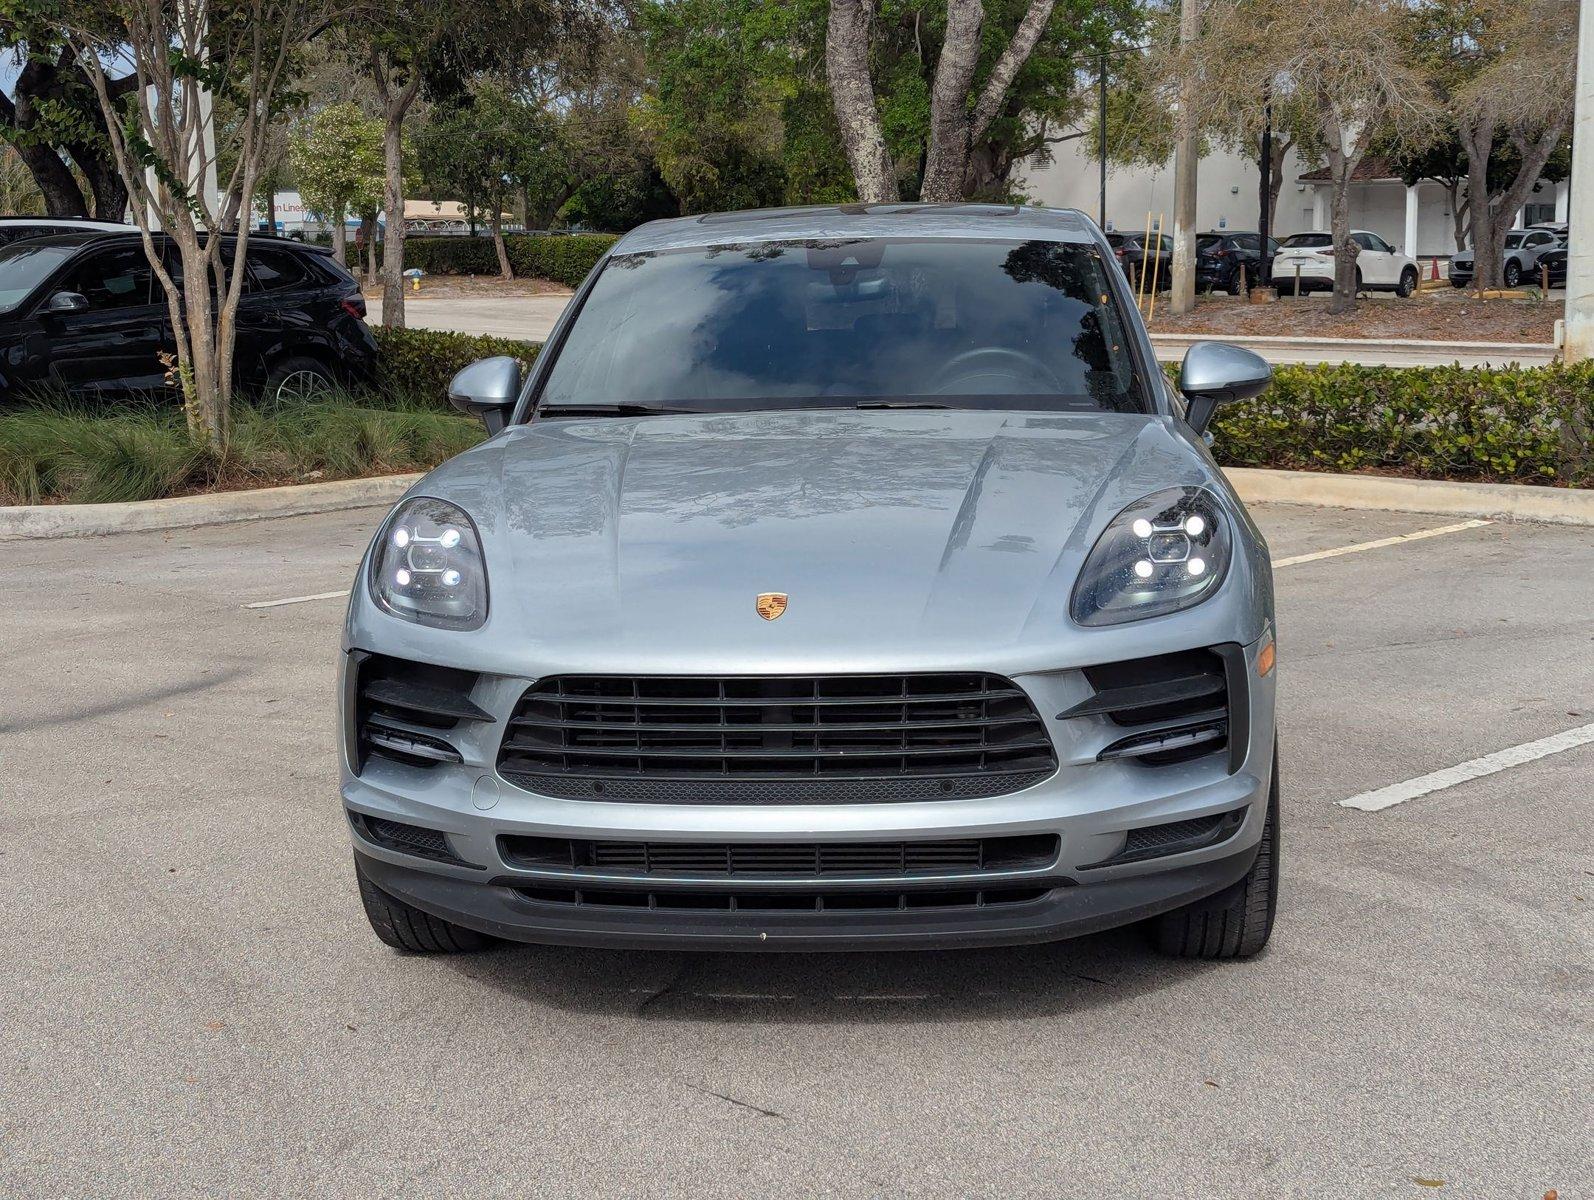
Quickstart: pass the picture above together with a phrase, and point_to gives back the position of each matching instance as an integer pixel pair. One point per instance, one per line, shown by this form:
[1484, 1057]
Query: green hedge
[1531, 425]
[420, 362]
[563, 259]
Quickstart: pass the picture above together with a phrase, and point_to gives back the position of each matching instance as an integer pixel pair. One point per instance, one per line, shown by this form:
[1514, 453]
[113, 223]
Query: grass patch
[57, 452]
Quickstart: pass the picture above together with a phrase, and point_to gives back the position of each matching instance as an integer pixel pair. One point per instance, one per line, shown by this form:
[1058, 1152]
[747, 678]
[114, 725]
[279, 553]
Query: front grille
[783, 859]
[582, 735]
[1175, 837]
[406, 839]
[1173, 707]
[405, 711]
[764, 902]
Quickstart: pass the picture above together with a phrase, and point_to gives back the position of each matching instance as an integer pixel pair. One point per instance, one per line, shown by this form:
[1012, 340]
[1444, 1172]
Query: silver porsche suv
[835, 579]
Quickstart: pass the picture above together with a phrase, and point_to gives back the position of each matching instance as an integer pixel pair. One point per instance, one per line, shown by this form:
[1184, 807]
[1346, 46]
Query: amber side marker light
[1264, 660]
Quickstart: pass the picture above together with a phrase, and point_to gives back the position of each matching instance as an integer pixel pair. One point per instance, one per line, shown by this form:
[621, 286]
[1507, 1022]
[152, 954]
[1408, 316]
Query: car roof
[111, 234]
[1004, 222]
[65, 223]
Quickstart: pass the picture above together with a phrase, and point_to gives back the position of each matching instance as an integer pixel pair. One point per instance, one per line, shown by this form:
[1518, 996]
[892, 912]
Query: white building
[1417, 219]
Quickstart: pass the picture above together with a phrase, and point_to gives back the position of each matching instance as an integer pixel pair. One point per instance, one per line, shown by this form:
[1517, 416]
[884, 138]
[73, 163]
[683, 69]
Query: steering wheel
[991, 371]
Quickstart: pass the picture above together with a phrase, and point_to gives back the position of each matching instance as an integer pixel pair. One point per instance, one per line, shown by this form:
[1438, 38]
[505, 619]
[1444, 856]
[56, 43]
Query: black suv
[83, 312]
[1220, 255]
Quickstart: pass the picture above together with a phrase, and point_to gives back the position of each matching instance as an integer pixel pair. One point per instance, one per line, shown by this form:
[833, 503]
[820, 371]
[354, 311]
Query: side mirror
[67, 302]
[1215, 373]
[487, 390]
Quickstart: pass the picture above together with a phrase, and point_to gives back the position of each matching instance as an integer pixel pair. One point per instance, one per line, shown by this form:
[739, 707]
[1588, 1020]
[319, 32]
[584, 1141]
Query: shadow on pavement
[902, 986]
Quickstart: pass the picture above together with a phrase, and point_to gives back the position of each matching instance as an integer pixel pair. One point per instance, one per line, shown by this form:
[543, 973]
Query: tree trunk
[340, 241]
[495, 221]
[62, 198]
[372, 275]
[1490, 226]
[393, 201]
[271, 210]
[1345, 250]
[852, 92]
[948, 157]
[1458, 213]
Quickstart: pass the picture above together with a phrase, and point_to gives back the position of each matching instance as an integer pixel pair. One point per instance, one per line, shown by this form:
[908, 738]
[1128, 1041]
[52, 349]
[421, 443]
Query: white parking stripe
[1379, 544]
[1477, 768]
[338, 595]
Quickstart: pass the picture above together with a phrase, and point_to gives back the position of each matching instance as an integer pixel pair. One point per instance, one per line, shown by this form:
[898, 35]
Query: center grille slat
[783, 859]
[799, 728]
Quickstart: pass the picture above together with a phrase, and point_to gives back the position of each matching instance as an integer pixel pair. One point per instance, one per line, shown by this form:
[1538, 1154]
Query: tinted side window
[113, 279]
[274, 269]
[1246, 241]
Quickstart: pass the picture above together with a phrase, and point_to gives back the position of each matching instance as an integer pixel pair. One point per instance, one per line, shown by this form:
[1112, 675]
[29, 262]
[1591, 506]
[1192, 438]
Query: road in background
[194, 1003]
[532, 317]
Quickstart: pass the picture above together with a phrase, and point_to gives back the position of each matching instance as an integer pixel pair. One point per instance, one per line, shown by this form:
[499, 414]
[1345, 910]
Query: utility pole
[1101, 132]
[1580, 260]
[1182, 298]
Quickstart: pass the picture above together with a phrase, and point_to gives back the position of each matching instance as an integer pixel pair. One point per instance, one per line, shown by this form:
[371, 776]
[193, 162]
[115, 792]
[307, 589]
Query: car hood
[893, 534]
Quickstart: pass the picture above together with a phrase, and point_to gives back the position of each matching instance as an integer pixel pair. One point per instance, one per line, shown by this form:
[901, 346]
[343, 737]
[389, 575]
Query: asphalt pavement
[194, 1005]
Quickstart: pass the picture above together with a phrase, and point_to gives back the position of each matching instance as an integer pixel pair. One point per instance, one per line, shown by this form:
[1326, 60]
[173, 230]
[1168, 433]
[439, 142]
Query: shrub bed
[563, 259]
[60, 453]
[1531, 425]
[418, 363]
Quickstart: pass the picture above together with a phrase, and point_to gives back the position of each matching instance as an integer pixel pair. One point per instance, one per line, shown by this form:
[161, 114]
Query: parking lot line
[1477, 768]
[337, 595]
[1379, 544]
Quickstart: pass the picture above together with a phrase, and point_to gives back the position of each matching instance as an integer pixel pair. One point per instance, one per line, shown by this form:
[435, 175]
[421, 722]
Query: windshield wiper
[613, 410]
[899, 404]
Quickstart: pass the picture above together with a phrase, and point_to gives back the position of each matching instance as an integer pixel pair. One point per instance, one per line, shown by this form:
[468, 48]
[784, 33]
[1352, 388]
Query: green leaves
[1524, 426]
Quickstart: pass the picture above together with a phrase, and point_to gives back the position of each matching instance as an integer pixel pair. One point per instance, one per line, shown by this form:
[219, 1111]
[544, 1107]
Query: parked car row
[1227, 259]
[1525, 250]
[82, 311]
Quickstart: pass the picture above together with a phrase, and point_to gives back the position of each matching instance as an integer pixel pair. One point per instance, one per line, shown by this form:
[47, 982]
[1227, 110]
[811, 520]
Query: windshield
[846, 323]
[1309, 241]
[24, 266]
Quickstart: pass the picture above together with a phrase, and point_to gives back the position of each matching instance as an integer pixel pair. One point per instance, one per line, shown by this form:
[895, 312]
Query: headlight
[428, 566]
[1159, 555]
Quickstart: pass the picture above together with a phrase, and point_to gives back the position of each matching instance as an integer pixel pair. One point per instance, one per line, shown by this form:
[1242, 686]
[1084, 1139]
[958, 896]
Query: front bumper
[1067, 909]
[1091, 806]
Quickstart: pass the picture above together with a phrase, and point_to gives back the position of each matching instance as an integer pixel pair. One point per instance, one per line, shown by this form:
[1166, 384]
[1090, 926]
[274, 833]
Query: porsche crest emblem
[771, 604]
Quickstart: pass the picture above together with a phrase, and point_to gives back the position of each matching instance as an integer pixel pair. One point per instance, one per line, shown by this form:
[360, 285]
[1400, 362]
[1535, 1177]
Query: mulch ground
[1449, 316]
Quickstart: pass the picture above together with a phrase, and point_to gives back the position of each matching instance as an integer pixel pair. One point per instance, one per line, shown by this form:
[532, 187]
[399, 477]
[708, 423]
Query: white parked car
[1380, 267]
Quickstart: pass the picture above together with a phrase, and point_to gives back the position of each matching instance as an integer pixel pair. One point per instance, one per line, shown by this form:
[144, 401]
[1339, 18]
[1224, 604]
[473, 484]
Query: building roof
[1369, 170]
[996, 221]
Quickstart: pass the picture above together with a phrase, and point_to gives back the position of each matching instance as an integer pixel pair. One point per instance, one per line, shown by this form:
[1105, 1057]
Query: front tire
[298, 381]
[1408, 284]
[1513, 273]
[1237, 922]
[405, 927]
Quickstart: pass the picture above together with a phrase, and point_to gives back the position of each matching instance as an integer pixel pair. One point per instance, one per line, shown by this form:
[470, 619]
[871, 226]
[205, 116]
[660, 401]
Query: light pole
[1580, 257]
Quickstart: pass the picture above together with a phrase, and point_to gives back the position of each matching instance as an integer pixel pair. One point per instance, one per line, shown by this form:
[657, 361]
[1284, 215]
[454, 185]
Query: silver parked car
[838, 578]
[1523, 249]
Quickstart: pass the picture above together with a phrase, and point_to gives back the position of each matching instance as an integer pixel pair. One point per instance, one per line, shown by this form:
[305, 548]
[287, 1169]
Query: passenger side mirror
[487, 390]
[1215, 373]
[67, 302]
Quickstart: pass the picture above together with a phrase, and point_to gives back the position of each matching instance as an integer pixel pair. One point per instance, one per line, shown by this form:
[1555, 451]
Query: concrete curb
[184, 512]
[1514, 501]
[1309, 343]
[1521, 502]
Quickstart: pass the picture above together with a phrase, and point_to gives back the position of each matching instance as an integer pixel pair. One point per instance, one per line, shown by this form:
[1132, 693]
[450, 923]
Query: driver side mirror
[1215, 373]
[67, 302]
[487, 390]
